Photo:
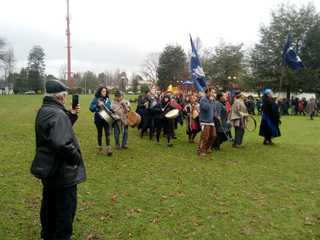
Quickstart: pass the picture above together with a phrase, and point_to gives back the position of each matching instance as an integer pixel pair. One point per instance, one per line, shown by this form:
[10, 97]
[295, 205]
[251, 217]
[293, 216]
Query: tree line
[252, 67]
[260, 65]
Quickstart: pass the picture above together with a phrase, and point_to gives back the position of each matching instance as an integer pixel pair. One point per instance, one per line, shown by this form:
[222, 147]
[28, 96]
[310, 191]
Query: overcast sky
[120, 33]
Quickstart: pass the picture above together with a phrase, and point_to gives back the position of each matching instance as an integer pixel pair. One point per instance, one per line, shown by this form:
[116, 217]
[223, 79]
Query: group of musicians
[211, 113]
[58, 159]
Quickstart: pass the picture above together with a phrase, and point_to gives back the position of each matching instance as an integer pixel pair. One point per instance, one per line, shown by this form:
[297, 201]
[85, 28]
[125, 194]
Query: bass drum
[134, 119]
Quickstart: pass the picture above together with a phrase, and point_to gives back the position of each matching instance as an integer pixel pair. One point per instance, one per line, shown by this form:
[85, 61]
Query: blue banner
[290, 56]
[198, 76]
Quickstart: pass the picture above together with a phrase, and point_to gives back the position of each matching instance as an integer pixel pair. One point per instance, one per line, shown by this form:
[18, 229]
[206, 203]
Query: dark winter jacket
[55, 140]
[270, 119]
[95, 108]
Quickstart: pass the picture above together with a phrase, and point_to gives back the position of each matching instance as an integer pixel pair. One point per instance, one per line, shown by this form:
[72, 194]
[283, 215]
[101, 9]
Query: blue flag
[198, 76]
[290, 56]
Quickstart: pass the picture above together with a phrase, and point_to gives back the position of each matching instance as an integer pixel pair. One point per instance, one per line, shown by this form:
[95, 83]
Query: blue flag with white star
[290, 56]
[198, 76]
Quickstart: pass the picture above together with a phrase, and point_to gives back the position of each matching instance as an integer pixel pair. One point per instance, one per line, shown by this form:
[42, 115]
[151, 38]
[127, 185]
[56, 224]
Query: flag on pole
[290, 56]
[198, 76]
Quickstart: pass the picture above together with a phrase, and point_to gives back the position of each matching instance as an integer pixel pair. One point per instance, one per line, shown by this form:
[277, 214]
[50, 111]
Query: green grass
[154, 192]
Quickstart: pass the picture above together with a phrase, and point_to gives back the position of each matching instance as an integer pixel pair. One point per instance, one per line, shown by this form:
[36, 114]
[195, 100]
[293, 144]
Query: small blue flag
[290, 56]
[198, 76]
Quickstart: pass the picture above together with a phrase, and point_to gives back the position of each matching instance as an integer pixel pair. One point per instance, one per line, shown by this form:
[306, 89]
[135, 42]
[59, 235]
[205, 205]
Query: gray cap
[118, 93]
[55, 86]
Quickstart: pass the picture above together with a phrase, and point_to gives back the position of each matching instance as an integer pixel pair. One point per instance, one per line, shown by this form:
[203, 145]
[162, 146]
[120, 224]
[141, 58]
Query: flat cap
[118, 93]
[55, 86]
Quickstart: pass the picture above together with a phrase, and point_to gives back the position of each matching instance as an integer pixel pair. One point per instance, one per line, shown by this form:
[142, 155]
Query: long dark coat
[270, 120]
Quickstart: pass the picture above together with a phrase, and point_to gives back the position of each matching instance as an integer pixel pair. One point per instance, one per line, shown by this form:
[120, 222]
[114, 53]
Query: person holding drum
[101, 101]
[162, 121]
[192, 110]
[238, 116]
[121, 108]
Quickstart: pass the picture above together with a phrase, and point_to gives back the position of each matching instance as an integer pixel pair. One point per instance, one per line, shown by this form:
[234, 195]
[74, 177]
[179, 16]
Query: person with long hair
[101, 100]
[192, 110]
[269, 127]
[161, 122]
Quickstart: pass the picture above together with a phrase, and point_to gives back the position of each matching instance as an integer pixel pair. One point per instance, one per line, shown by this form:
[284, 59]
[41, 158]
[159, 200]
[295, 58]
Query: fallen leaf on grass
[163, 197]
[308, 221]
[89, 237]
[156, 220]
[133, 212]
[114, 198]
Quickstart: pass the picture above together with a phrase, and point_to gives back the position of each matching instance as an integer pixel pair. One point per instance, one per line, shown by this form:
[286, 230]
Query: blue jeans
[118, 129]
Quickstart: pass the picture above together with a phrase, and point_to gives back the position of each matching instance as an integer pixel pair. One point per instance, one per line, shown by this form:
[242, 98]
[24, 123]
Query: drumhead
[172, 114]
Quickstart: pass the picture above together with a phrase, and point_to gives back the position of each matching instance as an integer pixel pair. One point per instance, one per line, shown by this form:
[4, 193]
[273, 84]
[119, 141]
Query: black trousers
[58, 209]
[168, 127]
[100, 125]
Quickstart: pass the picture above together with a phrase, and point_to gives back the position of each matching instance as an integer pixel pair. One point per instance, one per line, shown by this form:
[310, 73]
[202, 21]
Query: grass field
[153, 192]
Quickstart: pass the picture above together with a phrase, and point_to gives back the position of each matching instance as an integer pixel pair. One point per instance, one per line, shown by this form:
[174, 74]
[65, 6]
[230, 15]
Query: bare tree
[150, 66]
[109, 78]
[9, 61]
[3, 51]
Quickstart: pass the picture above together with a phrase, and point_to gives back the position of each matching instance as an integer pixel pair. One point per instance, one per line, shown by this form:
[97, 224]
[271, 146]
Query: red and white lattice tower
[69, 73]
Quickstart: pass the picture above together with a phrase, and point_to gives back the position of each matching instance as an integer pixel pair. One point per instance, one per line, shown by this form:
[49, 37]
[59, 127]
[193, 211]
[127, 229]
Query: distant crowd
[293, 106]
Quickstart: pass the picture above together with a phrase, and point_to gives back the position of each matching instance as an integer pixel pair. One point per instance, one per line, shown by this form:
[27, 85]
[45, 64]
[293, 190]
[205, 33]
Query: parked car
[30, 93]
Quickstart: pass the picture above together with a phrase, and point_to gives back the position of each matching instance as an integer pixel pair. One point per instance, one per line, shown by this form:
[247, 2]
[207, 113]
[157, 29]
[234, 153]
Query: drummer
[101, 100]
[192, 110]
[161, 122]
[121, 108]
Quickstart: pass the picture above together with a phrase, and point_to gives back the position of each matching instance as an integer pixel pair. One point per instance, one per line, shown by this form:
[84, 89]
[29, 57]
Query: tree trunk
[288, 92]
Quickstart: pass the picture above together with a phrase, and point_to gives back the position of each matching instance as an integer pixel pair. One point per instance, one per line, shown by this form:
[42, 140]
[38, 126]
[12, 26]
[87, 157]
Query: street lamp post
[85, 86]
[122, 83]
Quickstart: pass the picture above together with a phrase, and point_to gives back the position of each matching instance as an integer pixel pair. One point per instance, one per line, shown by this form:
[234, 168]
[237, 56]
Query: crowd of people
[212, 114]
[294, 106]
[58, 160]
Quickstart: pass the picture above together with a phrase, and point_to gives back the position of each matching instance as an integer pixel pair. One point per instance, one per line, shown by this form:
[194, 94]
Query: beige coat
[238, 112]
[121, 109]
[311, 107]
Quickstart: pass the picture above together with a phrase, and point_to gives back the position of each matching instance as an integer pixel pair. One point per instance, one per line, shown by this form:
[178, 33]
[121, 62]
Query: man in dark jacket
[56, 143]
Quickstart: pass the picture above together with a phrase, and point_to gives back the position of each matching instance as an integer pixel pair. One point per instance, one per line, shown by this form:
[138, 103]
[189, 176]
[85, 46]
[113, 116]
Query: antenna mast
[69, 73]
